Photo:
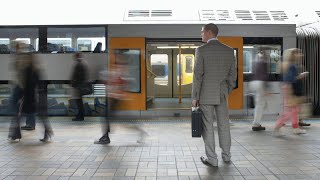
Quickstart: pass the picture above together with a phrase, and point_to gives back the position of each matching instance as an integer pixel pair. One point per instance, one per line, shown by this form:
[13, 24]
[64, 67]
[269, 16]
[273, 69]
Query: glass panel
[59, 44]
[272, 52]
[90, 44]
[235, 51]
[130, 58]
[187, 62]
[76, 39]
[26, 36]
[159, 65]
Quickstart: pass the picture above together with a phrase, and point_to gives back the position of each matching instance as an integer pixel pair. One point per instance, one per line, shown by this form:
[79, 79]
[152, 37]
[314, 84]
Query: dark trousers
[14, 130]
[80, 114]
[111, 103]
[43, 107]
[31, 120]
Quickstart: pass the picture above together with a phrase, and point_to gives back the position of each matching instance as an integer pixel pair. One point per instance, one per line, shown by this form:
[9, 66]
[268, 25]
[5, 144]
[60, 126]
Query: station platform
[168, 152]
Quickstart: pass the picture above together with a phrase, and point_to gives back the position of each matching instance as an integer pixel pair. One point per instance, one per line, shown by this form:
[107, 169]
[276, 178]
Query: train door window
[76, 39]
[130, 59]
[189, 64]
[235, 51]
[159, 66]
[10, 36]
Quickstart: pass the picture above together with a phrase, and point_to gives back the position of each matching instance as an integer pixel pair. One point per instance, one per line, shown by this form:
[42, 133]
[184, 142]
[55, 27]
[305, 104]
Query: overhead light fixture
[248, 47]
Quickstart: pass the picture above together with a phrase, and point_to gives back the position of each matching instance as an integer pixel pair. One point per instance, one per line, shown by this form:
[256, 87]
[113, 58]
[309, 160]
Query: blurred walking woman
[291, 91]
[30, 76]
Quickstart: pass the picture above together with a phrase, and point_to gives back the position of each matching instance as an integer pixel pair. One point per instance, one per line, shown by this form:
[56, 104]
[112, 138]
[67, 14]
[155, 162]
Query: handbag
[297, 87]
[196, 122]
[86, 88]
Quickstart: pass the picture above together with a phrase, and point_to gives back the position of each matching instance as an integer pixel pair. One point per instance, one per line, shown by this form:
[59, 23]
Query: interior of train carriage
[170, 73]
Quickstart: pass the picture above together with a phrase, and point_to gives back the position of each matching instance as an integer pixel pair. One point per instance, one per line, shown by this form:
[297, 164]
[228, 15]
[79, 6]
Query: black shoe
[76, 119]
[29, 128]
[258, 128]
[47, 136]
[103, 140]
[304, 124]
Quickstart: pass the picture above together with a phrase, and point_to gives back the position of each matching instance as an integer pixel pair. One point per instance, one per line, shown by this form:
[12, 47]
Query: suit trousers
[222, 116]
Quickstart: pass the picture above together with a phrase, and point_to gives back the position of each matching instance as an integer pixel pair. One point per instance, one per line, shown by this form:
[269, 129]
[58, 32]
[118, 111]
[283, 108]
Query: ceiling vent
[210, 15]
[148, 15]
[261, 15]
[161, 13]
[223, 15]
[279, 15]
[138, 13]
[207, 15]
[318, 13]
[243, 15]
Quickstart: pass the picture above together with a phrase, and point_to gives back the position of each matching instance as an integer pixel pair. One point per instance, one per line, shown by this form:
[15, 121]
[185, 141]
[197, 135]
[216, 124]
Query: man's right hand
[195, 103]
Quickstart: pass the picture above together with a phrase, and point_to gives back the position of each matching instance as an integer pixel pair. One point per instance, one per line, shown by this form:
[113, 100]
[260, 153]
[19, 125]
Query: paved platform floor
[168, 152]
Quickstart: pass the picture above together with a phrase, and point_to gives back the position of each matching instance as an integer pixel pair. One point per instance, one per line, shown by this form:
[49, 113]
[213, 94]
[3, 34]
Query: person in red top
[116, 84]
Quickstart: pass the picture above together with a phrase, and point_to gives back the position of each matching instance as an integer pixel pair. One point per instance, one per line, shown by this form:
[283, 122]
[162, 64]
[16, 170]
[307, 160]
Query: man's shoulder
[216, 43]
[225, 46]
[203, 46]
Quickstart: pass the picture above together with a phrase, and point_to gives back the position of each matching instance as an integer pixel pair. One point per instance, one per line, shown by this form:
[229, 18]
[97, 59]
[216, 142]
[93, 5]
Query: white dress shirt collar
[212, 39]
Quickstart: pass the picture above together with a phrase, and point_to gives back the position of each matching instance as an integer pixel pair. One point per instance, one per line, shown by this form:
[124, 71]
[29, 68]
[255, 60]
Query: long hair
[290, 56]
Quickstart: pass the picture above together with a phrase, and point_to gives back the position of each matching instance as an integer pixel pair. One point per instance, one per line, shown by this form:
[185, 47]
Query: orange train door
[236, 97]
[131, 50]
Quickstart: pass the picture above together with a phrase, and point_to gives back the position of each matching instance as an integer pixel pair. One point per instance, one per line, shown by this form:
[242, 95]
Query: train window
[130, 58]
[59, 44]
[76, 39]
[4, 45]
[189, 64]
[5, 41]
[90, 44]
[272, 53]
[159, 65]
[10, 36]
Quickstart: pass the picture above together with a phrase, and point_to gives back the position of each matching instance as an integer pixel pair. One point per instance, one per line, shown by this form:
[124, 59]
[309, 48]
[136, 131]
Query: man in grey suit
[213, 79]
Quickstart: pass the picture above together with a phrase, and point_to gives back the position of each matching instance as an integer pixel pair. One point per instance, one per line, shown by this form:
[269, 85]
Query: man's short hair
[211, 27]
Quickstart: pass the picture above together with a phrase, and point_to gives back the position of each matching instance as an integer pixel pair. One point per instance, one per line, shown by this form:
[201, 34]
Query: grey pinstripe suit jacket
[214, 72]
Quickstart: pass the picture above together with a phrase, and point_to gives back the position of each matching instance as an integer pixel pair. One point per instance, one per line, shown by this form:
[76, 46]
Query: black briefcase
[196, 122]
